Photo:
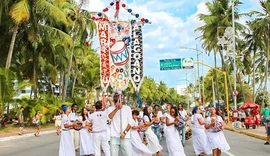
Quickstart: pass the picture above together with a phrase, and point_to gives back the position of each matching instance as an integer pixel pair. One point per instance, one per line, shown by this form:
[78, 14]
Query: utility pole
[198, 66]
[234, 62]
[202, 85]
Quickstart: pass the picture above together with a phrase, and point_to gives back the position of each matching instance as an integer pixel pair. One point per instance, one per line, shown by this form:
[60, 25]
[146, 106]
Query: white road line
[229, 154]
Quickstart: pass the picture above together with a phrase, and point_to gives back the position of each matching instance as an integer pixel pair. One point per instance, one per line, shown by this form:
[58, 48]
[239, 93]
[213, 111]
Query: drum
[218, 126]
[188, 132]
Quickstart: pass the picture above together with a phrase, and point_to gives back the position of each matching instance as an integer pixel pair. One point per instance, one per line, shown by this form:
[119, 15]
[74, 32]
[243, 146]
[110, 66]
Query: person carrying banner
[121, 120]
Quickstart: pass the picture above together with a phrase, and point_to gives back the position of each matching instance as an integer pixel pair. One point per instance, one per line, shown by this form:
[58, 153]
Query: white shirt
[73, 116]
[65, 120]
[196, 121]
[183, 113]
[115, 121]
[99, 120]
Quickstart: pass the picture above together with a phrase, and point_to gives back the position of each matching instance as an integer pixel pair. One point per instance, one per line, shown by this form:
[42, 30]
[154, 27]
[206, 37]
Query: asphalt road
[47, 145]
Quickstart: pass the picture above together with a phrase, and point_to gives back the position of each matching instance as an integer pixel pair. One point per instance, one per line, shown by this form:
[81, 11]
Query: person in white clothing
[139, 149]
[140, 121]
[99, 130]
[86, 138]
[74, 134]
[174, 145]
[182, 113]
[121, 119]
[151, 138]
[157, 125]
[216, 142]
[57, 121]
[199, 138]
[66, 147]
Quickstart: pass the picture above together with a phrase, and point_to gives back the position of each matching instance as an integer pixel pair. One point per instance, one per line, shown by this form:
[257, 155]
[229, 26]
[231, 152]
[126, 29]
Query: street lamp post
[198, 53]
[234, 62]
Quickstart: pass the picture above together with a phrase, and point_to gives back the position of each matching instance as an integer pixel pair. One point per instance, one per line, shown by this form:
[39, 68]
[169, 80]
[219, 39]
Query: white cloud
[173, 25]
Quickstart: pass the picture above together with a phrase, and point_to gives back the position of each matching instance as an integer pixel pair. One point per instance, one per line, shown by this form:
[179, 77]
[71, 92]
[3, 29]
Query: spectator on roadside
[268, 130]
[265, 113]
[21, 121]
[37, 122]
[57, 121]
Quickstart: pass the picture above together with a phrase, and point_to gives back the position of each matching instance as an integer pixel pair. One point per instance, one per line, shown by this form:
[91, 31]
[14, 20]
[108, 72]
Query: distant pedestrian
[57, 121]
[265, 113]
[216, 142]
[268, 130]
[182, 113]
[66, 147]
[21, 121]
[37, 122]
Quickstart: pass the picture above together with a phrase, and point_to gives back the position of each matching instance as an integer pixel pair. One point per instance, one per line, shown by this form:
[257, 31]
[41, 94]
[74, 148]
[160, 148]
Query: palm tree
[261, 27]
[220, 15]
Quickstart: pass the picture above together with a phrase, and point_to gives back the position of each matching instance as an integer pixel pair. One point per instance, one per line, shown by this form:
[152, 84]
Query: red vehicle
[250, 122]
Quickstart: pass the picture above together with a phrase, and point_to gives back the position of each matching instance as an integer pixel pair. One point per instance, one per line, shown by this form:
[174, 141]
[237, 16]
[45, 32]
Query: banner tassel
[139, 99]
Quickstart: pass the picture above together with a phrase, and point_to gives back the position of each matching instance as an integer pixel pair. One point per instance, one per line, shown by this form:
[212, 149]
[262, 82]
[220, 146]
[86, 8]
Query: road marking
[229, 154]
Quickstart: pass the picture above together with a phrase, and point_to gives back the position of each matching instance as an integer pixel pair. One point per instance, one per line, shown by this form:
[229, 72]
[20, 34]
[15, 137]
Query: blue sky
[173, 24]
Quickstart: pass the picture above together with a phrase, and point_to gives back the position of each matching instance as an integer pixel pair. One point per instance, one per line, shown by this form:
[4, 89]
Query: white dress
[216, 139]
[86, 141]
[139, 149]
[152, 140]
[175, 147]
[66, 147]
[199, 138]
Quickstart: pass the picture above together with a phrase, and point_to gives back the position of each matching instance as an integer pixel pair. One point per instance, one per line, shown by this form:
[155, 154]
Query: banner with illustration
[119, 51]
[136, 55]
[103, 34]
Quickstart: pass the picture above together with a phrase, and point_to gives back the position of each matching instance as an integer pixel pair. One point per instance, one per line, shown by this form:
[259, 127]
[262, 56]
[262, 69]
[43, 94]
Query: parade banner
[119, 51]
[136, 55]
[103, 34]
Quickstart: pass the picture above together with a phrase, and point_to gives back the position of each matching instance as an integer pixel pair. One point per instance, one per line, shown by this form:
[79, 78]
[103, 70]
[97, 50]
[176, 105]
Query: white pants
[101, 139]
[75, 137]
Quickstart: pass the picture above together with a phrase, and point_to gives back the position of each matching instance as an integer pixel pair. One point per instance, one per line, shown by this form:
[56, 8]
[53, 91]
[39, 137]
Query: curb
[254, 135]
[24, 136]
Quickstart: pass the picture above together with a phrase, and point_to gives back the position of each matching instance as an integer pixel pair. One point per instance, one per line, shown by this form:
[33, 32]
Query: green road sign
[176, 64]
[170, 64]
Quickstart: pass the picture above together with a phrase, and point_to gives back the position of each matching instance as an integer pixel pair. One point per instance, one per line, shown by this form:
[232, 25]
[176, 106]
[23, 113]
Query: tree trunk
[216, 80]
[35, 78]
[67, 76]
[73, 85]
[51, 86]
[60, 83]
[253, 75]
[11, 47]
[241, 85]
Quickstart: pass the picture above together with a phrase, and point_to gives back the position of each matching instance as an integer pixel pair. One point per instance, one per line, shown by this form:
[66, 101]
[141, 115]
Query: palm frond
[20, 11]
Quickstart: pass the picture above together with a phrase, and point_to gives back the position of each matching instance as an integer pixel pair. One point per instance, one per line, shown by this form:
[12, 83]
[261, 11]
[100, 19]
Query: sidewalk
[27, 132]
[259, 133]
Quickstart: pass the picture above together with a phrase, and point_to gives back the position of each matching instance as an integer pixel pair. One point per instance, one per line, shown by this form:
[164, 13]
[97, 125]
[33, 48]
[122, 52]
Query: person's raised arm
[111, 114]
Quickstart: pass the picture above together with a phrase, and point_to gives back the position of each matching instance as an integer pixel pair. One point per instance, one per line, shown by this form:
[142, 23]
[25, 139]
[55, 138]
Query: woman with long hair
[174, 144]
[152, 140]
[216, 140]
[86, 138]
[199, 138]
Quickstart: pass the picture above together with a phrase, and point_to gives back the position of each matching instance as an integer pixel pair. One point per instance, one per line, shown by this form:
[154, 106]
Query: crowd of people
[137, 132]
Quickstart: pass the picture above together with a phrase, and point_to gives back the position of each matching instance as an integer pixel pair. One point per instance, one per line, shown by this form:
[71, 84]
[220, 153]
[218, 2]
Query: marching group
[138, 132]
